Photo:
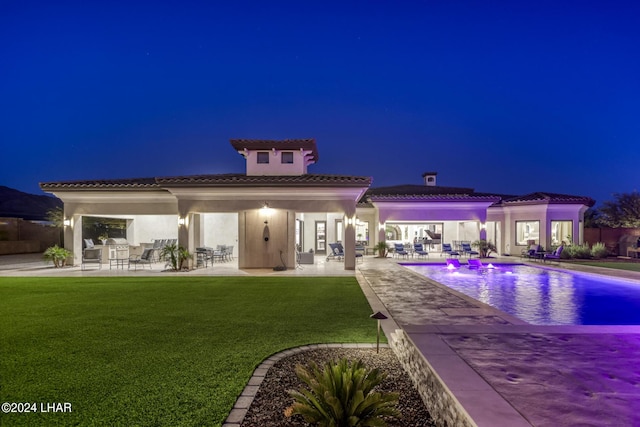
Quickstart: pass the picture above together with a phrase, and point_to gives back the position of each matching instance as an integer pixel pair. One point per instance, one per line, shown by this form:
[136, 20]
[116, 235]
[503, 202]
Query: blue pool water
[544, 297]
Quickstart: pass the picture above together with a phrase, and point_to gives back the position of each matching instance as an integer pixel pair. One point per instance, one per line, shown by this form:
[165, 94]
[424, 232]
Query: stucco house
[276, 207]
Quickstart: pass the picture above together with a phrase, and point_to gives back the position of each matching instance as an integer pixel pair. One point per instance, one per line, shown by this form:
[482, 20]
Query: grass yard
[159, 351]
[628, 266]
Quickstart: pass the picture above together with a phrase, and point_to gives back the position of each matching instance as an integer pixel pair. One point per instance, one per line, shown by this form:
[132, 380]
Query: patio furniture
[446, 250]
[145, 258]
[534, 252]
[453, 263]
[204, 255]
[466, 250]
[419, 250]
[337, 252]
[91, 256]
[399, 250]
[555, 254]
[474, 263]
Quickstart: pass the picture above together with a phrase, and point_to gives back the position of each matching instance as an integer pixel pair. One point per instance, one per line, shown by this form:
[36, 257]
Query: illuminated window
[527, 233]
[561, 231]
[287, 157]
[263, 157]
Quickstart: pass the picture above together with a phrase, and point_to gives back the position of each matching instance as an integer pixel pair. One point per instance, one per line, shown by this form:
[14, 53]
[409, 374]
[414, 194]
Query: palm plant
[57, 255]
[484, 247]
[382, 249]
[175, 256]
[341, 394]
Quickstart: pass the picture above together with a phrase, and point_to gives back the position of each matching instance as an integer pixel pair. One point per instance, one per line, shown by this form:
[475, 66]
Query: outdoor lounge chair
[466, 250]
[474, 263]
[419, 250]
[453, 263]
[399, 250]
[534, 252]
[91, 256]
[555, 254]
[337, 252]
[145, 258]
[446, 249]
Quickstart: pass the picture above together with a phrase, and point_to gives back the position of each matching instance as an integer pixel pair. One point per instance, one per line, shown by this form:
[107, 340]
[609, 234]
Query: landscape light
[379, 316]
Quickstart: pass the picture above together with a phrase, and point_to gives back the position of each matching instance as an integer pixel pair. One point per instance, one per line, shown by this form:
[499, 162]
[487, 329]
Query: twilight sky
[506, 97]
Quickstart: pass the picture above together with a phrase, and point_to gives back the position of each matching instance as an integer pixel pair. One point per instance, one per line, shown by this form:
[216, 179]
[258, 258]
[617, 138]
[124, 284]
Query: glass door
[321, 237]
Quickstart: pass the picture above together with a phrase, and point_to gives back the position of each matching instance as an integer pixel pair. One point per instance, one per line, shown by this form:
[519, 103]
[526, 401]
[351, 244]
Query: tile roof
[120, 184]
[219, 180]
[283, 144]
[226, 180]
[552, 198]
[414, 192]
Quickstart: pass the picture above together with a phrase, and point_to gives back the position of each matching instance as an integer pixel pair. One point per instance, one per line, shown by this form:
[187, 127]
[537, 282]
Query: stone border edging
[244, 401]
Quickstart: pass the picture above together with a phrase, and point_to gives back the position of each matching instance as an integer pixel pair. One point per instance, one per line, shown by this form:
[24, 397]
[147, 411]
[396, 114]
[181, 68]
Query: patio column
[73, 238]
[349, 242]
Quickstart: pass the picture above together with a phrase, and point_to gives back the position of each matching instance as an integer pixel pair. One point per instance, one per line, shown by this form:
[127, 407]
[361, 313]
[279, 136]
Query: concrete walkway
[502, 371]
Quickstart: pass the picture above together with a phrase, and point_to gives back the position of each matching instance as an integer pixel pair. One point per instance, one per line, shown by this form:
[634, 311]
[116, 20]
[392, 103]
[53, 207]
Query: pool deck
[505, 372]
[501, 370]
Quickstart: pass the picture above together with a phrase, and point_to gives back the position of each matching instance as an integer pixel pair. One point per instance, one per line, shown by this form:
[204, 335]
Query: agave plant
[341, 395]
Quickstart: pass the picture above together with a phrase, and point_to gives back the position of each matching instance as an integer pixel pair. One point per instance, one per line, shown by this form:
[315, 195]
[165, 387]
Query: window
[527, 233]
[286, 157]
[561, 231]
[263, 157]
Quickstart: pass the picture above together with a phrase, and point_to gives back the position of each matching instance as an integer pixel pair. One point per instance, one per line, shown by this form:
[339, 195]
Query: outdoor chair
[555, 254]
[204, 255]
[145, 258]
[88, 243]
[534, 252]
[453, 263]
[466, 250]
[446, 250]
[337, 252]
[92, 256]
[399, 250]
[474, 263]
[419, 250]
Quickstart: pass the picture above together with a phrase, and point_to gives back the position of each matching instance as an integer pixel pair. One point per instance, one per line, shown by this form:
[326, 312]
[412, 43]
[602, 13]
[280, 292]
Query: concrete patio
[498, 369]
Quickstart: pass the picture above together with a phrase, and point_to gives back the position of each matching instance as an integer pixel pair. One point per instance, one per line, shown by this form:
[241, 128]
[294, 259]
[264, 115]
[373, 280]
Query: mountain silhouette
[16, 204]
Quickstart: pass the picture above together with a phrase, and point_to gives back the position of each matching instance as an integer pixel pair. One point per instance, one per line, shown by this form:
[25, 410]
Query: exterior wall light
[66, 222]
[181, 220]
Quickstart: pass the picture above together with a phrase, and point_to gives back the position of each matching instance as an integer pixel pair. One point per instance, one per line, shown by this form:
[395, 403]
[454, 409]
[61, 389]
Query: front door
[321, 237]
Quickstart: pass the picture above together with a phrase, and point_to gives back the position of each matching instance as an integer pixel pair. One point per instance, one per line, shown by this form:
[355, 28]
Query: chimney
[429, 178]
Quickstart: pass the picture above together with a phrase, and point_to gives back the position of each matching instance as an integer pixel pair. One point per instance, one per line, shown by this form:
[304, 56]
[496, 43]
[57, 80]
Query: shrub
[341, 395]
[57, 255]
[579, 251]
[598, 250]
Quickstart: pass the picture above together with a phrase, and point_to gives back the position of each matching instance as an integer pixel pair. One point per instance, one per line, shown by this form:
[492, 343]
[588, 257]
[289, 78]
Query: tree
[56, 217]
[623, 211]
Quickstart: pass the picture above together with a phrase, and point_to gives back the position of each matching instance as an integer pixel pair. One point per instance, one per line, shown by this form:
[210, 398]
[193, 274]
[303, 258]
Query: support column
[349, 242]
[73, 238]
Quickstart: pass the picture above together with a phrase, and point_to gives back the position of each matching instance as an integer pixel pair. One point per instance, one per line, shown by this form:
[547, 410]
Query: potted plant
[103, 238]
[382, 249]
[57, 255]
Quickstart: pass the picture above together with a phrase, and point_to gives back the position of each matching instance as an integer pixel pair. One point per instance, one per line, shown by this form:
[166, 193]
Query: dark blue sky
[507, 97]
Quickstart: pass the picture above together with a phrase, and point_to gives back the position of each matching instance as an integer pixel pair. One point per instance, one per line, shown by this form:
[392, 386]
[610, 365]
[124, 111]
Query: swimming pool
[542, 296]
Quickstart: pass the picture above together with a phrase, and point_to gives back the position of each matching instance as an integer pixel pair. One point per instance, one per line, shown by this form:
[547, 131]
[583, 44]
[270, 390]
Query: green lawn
[169, 351]
[629, 266]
